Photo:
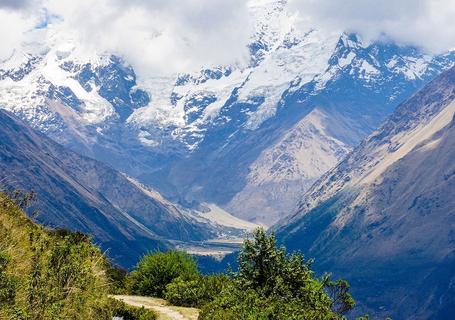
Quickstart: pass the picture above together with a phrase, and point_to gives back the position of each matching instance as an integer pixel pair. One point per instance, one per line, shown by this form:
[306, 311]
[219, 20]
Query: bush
[155, 271]
[235, 303]
[117, 278]
[195, 292]
[122, 310]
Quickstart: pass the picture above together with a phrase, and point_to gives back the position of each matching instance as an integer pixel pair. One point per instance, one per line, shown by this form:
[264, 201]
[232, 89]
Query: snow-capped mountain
[240, 136]
[385, 216]
[361, 85]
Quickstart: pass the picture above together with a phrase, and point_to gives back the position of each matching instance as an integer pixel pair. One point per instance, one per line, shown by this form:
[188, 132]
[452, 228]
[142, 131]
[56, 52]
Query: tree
[338, 291]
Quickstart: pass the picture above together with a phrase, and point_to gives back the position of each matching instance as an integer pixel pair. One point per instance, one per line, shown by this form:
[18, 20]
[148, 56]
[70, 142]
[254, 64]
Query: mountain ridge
[389, 208]
[83, 194]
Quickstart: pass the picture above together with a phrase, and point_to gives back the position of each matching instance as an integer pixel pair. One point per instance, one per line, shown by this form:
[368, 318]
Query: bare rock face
[284, 171]
[385, 216]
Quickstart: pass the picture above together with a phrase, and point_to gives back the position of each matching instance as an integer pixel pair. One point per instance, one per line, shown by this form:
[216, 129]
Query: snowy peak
[280, 55]
[380, 63]
[95, 91]
[313, 86]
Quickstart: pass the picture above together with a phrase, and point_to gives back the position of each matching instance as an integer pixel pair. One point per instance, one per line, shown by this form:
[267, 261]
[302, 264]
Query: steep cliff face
[385, 216]
[82, 194]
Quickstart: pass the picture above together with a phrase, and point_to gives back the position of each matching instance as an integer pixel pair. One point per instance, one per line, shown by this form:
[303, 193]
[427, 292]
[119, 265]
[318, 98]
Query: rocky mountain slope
[385, 216]
[79, 193]
[240, 136]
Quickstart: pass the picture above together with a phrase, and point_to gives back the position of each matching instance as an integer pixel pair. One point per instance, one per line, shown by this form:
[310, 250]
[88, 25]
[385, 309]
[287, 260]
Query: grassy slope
[52, 274]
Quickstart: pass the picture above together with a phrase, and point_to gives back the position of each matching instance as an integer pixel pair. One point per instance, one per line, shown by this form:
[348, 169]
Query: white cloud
[423, 23]
[160, 36]
[15, 21]
[165, 36]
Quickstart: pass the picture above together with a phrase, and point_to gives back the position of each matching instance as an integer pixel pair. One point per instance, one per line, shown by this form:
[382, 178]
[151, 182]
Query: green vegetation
[273, 285]
[120, 309]
[58, 274]
[52, 274]
[195, 292]
[155, 271]
[270, 284]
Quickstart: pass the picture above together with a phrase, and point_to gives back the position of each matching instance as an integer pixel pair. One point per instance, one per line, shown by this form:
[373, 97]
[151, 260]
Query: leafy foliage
[273, 285]
[195, 292]
[121, 310]
[156, 270]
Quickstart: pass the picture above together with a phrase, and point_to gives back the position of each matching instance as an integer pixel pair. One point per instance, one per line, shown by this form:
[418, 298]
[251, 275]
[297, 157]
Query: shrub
[195, 292]
[122, 310]
[235, 303]
[117, 278]
[156, 270]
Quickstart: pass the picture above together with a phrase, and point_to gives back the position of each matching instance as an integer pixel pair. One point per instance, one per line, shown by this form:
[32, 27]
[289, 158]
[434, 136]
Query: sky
[159, 36]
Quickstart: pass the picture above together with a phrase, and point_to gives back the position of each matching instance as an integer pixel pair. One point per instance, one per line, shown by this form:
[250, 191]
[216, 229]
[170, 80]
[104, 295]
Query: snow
[95, 108]
[410, 67]
[272, 77]
[289, 57]
[26, 97]
[17, 59]
[345, 61]
[367, 70]
[221, 89]
[159, 111]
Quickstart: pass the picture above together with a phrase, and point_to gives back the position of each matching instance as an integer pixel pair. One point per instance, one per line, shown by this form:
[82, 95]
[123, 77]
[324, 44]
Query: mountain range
[124, 217]
[250, 139]
[344, 147]
[385, 216]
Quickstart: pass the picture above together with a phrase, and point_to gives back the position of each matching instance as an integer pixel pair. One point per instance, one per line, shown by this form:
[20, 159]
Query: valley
[137, 136]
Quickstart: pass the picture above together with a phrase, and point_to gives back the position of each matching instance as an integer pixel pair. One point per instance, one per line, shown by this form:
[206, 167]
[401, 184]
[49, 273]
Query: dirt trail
[161, 307]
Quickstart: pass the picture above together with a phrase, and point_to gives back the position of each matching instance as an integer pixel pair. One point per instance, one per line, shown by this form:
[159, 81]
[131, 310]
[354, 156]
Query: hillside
[389, 209]
[82, 194]
[52, 274]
